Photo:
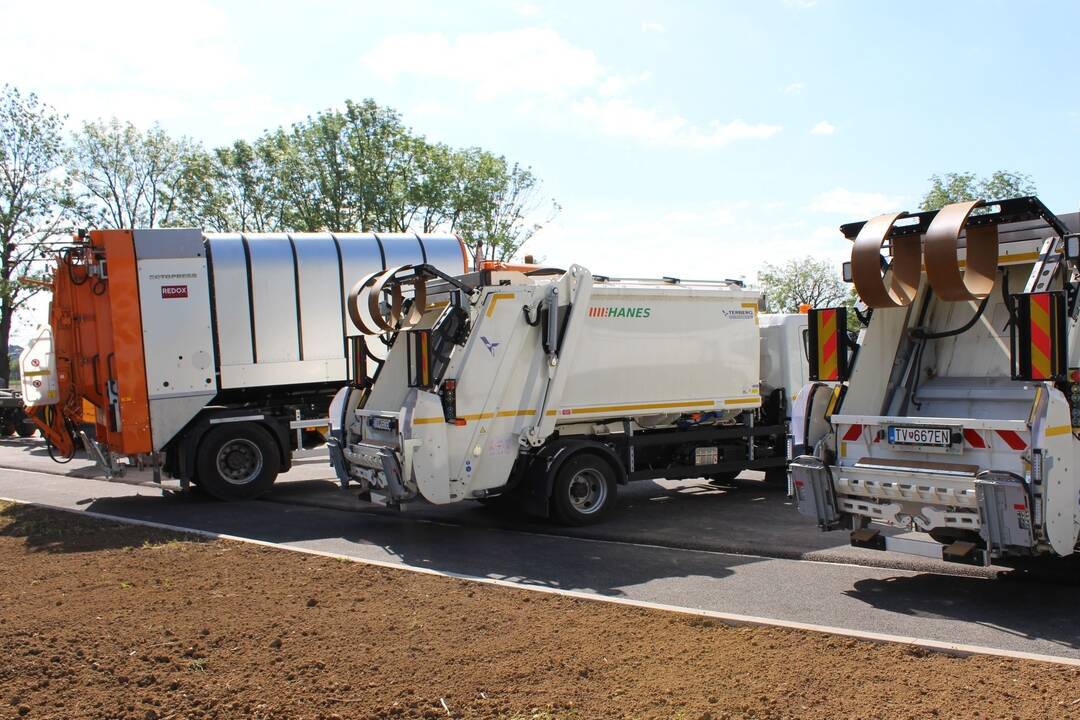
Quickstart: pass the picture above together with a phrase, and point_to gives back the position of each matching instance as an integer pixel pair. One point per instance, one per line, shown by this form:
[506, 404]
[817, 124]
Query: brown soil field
[106, 620]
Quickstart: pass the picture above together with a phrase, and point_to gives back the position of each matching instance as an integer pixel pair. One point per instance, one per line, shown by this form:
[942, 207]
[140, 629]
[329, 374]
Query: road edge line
[730, 619]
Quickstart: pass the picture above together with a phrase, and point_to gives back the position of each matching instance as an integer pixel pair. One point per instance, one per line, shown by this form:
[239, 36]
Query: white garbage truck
[955, 417]
[555, 387]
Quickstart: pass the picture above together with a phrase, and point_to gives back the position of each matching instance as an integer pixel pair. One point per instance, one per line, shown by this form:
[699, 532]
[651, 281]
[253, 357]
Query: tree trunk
[7, 314]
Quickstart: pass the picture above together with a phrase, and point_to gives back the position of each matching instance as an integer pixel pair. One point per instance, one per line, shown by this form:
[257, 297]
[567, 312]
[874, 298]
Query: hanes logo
[169, 292]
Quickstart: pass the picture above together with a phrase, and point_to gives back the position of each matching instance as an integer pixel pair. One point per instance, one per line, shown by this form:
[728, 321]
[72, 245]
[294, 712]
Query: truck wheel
[24, 427]
[584, 490]
[237, 461]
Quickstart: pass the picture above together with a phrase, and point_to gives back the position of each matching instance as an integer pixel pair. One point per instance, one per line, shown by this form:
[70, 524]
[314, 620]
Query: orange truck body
[97, 331]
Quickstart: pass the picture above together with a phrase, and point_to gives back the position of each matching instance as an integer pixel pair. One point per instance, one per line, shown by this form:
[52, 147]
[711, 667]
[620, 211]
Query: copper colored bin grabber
[953, 279]
[368, 290]
[866, 264]
[942, 247]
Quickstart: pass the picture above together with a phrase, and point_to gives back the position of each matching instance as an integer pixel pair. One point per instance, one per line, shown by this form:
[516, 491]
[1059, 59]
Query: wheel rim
[239, 461]
[587, 490]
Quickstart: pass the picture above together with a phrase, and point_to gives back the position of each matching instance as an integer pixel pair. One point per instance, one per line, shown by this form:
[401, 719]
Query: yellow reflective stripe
[1040, 322]
[828, 344]
[643, 406]
[528, 412]
[1058, 430]
[833, 400]
[496, 298]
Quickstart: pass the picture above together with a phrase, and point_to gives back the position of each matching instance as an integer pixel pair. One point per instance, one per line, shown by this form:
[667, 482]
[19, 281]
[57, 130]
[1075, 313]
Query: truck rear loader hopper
[554, 387]
[956, 414]
[207, 357]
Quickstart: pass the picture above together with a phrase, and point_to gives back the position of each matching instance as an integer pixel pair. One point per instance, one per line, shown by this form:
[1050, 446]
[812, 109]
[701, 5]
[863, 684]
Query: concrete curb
[732, 619]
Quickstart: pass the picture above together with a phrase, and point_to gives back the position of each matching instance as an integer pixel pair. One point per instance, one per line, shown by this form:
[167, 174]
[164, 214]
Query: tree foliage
[359, 168]
[802, 281]
[34, 197]
[960, 187]
[129, 178]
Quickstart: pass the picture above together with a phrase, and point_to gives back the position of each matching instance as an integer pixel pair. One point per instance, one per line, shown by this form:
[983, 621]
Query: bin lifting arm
[576, 287]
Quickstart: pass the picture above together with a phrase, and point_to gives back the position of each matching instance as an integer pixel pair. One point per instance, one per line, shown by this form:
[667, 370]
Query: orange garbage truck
[208, 358]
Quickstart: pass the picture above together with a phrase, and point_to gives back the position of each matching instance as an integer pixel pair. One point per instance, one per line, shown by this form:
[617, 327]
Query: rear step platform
[961, 551]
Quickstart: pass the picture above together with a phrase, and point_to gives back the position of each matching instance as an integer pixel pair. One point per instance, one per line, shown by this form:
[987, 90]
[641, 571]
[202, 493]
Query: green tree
[803, 281]
[34, 198]
[960, 187]
[128, 178]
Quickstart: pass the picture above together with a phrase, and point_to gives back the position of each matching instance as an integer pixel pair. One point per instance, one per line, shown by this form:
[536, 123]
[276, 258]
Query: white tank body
[648, 350]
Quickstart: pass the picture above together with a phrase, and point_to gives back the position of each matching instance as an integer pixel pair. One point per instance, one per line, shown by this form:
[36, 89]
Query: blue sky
[690, 139]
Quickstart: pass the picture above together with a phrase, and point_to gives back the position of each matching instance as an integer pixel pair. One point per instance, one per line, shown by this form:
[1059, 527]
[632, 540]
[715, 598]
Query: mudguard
[539, 477]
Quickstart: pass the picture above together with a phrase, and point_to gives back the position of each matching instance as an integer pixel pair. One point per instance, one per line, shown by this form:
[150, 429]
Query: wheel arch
[182, 454]
[540, 475]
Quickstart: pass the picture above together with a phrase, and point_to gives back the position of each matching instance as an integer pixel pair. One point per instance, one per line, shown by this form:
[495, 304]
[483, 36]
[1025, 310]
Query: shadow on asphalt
[744, 516]
[529, 559]
[1036, 610]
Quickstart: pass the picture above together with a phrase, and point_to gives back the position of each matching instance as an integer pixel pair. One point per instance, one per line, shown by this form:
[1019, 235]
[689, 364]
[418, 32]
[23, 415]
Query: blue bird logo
[489, 345]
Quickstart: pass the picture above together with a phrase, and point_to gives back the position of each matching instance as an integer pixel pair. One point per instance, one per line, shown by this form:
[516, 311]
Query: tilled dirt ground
[104, 620]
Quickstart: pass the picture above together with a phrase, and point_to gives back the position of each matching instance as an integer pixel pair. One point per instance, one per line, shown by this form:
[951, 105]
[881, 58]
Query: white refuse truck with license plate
[955, 416]
[555, 387]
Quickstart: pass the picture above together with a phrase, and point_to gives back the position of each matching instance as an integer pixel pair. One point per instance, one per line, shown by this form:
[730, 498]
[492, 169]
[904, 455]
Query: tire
[24, 427]
[583, 491]
[237, 461]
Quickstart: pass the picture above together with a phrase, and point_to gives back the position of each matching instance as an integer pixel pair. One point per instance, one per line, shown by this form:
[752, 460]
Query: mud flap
[1006, 513]
[337, 440]
[814, 494]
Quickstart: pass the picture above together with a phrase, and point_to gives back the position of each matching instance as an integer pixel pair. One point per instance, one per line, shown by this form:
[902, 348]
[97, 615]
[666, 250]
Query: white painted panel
[285, 373]
[177, 336]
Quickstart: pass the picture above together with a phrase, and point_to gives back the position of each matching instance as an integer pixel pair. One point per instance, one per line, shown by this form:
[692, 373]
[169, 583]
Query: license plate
[382, 423]
[927, 436]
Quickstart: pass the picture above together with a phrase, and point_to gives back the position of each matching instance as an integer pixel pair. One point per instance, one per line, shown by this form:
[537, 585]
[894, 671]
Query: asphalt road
[1030, 616]
[744, 516]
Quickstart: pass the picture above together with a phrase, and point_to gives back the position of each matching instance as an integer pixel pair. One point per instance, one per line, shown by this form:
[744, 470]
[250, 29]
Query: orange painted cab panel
[98, 334]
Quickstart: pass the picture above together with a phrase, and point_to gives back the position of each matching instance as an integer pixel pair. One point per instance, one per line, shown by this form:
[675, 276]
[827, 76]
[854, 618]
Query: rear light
[1036, 467]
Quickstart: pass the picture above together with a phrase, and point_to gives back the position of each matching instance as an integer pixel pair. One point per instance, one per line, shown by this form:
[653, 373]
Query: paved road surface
[1026, 616]
[744, 516]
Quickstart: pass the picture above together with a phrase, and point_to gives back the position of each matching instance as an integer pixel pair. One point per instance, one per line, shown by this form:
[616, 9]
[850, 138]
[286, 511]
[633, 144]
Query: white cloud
[623, 118]
[823, 128]
[496, 64]
[619, 84]
[528, 10]
[652, 27]
[720, 240]
[795, 88]
[855, 205]
[193, 71]
[800, 4]
[547, 77]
